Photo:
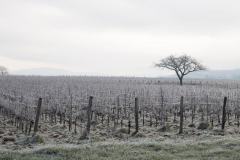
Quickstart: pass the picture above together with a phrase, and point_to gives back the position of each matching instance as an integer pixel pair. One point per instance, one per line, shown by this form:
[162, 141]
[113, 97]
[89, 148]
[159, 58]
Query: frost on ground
[14, 139]
[56, 142]
[202, 147]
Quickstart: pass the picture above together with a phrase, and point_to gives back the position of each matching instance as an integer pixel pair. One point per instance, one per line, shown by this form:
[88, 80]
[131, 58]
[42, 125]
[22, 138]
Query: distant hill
[216, 74]
[43, 72]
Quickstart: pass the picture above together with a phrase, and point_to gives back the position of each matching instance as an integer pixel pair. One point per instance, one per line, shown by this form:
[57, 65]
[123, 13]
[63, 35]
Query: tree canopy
[182, 65]
[3, 71]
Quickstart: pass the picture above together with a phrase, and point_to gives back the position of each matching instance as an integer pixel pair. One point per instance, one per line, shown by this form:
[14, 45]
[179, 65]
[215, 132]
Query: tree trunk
[181, 81]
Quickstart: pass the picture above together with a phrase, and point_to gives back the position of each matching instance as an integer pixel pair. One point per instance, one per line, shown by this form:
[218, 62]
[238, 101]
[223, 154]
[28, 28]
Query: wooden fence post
[129, 126]
[143, 118]
[181, 116]
[30, 127]
[37, 115]
[136, 109]
[224, 113]
[89, 112]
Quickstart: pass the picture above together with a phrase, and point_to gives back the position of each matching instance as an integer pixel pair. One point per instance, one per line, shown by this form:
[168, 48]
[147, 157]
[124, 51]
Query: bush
[1, 132]
[36, 139]
[191, 125]
[139, 135]
[203, 125]
[8, 139]
[122, 130]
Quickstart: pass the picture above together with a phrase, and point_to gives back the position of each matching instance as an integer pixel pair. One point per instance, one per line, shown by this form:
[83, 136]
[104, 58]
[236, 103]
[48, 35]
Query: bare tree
[182, 65]
[3, 71]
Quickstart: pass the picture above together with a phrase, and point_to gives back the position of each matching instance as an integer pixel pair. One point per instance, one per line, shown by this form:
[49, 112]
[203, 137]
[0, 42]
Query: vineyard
[106, 107]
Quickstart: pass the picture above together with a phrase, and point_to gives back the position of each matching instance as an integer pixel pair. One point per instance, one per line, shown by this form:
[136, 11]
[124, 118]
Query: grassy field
[138, 149]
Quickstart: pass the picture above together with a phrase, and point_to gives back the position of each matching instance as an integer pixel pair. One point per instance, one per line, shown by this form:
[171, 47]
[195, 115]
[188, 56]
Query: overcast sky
[124, 37]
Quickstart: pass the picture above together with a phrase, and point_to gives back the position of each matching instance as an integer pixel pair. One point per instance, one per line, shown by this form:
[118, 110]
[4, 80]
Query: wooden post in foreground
[86, 132]
[224, 113]
[136, 116]
[37, 115]
[181, 116]
[89, 112]
[129, 125]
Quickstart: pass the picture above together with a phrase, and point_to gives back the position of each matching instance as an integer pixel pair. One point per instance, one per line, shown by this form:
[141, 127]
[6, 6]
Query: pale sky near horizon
[123, 37]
